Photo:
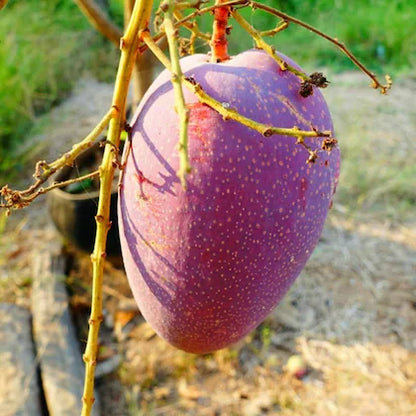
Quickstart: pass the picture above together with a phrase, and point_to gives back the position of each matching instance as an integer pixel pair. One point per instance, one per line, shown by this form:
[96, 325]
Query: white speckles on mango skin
[208, 264]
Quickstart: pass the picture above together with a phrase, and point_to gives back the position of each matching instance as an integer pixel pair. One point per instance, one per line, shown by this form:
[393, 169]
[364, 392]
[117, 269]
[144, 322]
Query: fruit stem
[219, 32]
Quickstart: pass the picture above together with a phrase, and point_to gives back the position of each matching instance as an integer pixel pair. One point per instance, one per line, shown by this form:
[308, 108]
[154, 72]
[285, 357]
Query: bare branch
[100, 20]
[16, 199]
[375, 82]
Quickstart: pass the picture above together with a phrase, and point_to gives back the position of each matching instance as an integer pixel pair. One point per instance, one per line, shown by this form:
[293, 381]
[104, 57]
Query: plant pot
[74, 213]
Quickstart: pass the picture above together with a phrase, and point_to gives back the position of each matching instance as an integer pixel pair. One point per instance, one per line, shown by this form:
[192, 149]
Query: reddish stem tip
[219, 32]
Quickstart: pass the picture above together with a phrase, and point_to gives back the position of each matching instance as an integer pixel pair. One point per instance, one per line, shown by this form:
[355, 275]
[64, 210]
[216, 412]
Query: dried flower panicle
[306, 89]
[318, 79]
[329, 143]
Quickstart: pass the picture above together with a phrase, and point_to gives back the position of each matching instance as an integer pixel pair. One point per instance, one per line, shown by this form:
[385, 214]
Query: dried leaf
[188, 392]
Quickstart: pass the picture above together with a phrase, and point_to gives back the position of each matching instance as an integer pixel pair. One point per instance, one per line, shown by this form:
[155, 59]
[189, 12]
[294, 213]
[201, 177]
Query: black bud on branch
[306, 89]
[329, 143]
[318, 79]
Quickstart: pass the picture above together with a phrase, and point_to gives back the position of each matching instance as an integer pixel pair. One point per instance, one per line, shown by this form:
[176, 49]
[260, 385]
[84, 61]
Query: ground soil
[351, 315]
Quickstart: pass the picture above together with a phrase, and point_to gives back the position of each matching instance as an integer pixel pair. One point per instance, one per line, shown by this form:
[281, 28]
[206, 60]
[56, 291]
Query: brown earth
[351, 315]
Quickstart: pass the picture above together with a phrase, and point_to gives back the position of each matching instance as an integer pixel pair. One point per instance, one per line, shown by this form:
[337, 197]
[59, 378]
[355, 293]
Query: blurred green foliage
[45, 46]
[379, 32]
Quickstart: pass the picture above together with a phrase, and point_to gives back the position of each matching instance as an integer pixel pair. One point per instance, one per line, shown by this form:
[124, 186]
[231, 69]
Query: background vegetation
[46, 45]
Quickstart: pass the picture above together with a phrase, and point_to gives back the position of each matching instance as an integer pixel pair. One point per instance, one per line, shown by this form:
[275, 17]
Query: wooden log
[59, 351]
[19, 389]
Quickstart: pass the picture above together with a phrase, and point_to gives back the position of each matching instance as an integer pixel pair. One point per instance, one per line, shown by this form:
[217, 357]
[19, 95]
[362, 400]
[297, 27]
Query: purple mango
[206, 265]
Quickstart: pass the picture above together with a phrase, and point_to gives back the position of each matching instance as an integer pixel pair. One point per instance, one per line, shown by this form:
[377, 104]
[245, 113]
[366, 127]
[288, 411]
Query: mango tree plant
[227, 176]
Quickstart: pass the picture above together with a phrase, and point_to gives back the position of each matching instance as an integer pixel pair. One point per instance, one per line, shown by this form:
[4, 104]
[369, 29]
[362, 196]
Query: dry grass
[15, 265]
[362, 379]
[377, 140]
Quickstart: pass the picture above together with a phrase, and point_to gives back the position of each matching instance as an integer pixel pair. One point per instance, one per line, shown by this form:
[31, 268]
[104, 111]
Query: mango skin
[208, 264]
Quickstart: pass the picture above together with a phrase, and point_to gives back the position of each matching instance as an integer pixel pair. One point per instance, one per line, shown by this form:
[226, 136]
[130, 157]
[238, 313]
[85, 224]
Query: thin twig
[281, 26]
[231, 114]
[150, 43]
[243, 3]
[195, 4]
[194, 29]
[375, 82]
[100, 20]
[192, 15]
[46, 170]
[3, 3]
[261, 44]
[180, 105]
[20, 199]
[16, 199]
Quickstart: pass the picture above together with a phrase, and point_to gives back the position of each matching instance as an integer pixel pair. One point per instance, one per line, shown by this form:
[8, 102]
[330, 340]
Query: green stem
[231, 114]
[129, 46]
[261, 44]
[180, 105]
[282, 26]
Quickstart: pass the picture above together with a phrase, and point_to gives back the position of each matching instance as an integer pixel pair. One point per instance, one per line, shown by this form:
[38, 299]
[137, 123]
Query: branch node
[99, 218]
[313, 156]
[122, 44]
[300, 140]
